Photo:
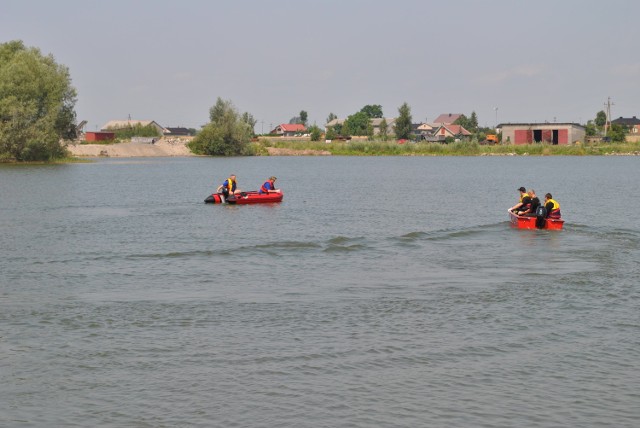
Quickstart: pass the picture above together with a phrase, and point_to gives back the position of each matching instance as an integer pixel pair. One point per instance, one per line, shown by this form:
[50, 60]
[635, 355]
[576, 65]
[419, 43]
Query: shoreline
[177, 147]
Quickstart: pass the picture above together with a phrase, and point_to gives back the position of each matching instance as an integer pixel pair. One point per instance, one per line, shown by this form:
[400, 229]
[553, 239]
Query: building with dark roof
[176, 132]
[632, 125]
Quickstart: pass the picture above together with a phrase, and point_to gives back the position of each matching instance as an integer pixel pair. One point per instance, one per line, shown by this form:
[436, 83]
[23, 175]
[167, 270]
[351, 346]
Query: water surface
[383, 291]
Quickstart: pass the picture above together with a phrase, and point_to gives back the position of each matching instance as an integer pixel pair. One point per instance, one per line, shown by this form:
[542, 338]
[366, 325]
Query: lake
[382, 292]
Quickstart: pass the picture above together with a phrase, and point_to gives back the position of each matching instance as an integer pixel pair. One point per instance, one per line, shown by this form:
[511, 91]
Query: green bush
[136, 130]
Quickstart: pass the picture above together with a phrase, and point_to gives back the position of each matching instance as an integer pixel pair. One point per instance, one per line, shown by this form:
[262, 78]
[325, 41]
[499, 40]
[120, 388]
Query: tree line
[37, 113]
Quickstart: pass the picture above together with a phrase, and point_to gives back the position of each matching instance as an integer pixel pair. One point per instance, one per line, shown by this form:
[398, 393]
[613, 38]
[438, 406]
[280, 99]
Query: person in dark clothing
[553, 207]
[525, 201]
[533, 205]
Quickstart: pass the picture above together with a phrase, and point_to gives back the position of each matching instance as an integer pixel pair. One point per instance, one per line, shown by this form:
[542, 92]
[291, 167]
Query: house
[445, 119]
[113, 125]
[391, 124]
[551, 133]
[176, 132]
[458, 132]
[289, 129]
[632, 124]
[421, 131]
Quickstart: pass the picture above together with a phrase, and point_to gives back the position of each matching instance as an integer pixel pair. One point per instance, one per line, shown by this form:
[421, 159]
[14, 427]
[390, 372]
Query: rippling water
[386, 292]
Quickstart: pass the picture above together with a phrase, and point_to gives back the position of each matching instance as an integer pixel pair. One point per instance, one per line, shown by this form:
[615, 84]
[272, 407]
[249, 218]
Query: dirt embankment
[173, 146]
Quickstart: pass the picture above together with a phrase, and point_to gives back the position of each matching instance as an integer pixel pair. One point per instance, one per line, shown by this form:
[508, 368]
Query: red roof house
[447, 118]
[455, 131]
[289, 129]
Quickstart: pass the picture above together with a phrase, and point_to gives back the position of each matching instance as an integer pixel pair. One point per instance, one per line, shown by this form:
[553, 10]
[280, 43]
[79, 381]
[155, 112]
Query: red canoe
[246, 198]
[523, 222]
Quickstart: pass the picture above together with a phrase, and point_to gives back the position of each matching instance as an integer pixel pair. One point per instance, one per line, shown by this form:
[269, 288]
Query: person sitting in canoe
[525, 201]
[552, 207]
[269, 186]
[229, 187]
[533, 205]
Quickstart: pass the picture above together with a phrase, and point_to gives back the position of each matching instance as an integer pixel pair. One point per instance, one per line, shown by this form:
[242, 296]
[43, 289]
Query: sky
[506, 60]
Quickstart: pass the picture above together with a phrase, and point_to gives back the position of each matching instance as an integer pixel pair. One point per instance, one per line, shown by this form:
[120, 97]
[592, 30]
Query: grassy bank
[374, 148]
[57, 161]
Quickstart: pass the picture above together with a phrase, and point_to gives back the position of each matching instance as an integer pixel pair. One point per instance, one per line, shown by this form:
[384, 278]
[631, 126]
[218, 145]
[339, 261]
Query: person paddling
[229, 187]
[269, 186]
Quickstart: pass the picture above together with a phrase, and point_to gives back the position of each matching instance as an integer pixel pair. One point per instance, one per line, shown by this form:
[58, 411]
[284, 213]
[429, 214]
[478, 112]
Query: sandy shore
[161, 148]
[164, 147]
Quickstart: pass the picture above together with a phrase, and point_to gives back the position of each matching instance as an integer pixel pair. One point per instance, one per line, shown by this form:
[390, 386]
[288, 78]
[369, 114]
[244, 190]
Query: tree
[330, 134]
[228, 133]
[473, 122]
[357, 124]
[315, 133]
[403, 123]
[36, 104]
[601, 119]
[462, 121]
[249, 120]
[136, 130]
[372, 111]
[384, 130]
[469, 123]
[331, 117]
[617, 133]
[591, 128]
[303, 118]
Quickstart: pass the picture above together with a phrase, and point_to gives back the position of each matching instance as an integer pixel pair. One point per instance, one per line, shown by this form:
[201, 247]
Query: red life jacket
[264, 189]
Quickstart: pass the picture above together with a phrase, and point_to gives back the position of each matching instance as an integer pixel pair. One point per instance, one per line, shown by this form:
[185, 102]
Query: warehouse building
[549, 133]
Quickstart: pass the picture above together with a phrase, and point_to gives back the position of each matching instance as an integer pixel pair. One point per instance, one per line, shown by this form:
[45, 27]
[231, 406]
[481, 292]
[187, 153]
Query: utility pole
[607, 123]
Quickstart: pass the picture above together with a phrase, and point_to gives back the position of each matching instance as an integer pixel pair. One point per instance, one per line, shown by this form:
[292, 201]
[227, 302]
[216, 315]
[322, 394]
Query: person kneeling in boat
[534, 203]
[229, 187]
[269, 186]
[525, 201]
[552, 207]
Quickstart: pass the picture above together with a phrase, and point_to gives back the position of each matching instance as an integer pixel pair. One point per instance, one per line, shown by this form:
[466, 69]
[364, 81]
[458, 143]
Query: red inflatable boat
[245, 198]
[524, 222]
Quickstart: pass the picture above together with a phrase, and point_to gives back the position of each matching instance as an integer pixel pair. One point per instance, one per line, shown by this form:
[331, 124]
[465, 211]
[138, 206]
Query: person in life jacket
[553, 207]
[229, 187]
[533, 205]
[525, 201]
[269, 186]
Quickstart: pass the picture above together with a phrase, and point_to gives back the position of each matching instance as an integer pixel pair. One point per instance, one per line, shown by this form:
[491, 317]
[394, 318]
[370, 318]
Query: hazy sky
[168, 61]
